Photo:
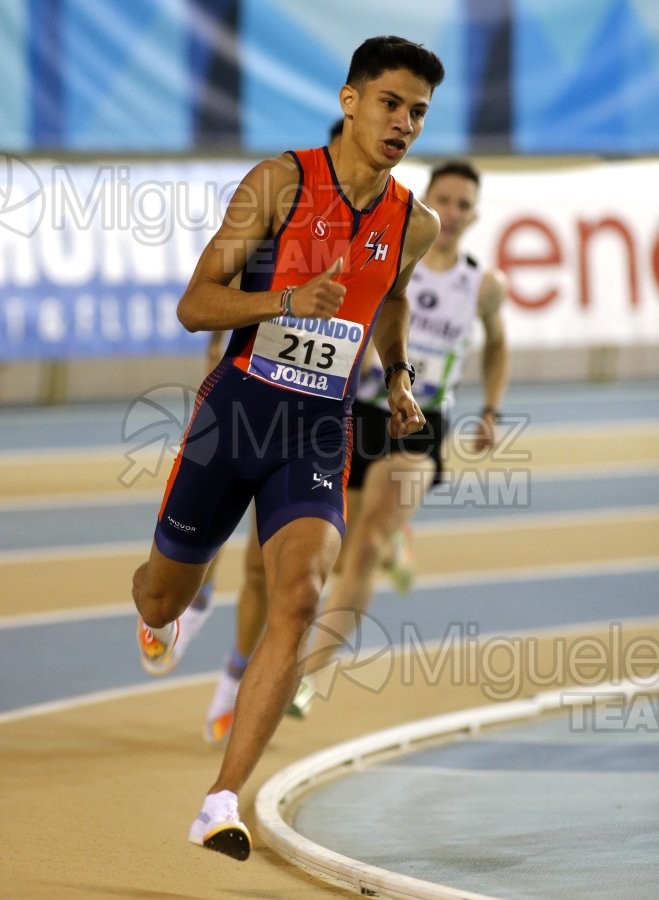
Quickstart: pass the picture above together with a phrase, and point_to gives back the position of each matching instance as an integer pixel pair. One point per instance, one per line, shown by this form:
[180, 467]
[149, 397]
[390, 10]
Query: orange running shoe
[156, 646]
[219, 716]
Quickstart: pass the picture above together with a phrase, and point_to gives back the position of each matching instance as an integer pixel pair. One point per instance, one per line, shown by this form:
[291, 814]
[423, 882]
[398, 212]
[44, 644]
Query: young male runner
[327, 242]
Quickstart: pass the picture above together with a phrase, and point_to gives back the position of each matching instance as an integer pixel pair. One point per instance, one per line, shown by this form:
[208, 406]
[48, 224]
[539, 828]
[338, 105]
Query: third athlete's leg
[393, 489]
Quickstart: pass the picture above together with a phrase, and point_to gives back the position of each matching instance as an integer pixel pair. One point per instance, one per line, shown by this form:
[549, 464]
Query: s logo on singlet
[320, 228]
[375, 245]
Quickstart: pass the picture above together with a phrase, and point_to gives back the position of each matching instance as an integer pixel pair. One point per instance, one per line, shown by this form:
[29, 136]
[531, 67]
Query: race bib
[312, 356]
[432, 367]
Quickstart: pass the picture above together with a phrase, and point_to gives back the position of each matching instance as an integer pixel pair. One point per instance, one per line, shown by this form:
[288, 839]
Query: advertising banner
[94, 257]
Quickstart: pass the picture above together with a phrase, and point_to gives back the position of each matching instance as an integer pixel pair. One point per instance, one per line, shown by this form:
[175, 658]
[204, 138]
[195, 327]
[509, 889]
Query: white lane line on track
[135, 496]
[74, 551]
[164, 684]
[77, 500]
[526, 521]
[502, 522]
[58, 706]
[570, 472]
[568, 430]
[89, 613]
[529, 393]
[538, 573]
[118, 451]
[552, 393]
[36, 456]
[90, 551]
[453, 580]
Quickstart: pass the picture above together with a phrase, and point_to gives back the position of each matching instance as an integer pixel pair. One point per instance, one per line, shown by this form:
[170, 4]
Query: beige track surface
[96, 800]
[35, 474]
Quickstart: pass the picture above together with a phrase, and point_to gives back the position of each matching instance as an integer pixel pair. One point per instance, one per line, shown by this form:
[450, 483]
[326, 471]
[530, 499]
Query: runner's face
[388, 115]
[454, 198]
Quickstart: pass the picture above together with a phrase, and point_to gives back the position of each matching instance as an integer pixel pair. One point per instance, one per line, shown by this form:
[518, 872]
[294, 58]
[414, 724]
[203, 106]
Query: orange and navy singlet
[314, 356]
[272, 421]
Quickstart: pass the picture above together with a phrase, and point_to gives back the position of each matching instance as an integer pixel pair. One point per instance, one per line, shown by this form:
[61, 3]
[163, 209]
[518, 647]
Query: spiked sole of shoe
[232, 841]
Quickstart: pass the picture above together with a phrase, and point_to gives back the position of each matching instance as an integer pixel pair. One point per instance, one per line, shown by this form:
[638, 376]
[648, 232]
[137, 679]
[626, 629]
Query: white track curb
[280, 791]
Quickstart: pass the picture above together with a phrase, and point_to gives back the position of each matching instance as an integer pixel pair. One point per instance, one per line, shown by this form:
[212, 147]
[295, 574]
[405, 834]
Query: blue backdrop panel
[15, 124]
[126, 75]
[171, 76]
[94, 258]
[296, 59]
[586, 76]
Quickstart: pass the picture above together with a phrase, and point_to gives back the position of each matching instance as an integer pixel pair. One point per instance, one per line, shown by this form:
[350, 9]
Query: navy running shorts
[247, 439]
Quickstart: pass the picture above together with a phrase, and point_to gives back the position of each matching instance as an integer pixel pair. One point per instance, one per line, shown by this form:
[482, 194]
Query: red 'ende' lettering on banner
[586, 231]
[549, 253]
[508, 260]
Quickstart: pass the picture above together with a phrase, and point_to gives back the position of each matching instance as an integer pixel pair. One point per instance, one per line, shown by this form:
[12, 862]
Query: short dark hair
[381, 54]
[335, 130]
[462, 167]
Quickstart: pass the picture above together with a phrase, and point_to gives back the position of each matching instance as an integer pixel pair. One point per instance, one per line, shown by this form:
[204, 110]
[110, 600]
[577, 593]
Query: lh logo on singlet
[320, 228]
[321, 481]
[375, 245]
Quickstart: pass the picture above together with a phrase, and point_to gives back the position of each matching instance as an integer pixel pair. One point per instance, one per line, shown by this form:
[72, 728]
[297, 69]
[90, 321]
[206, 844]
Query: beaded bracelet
[286, 299]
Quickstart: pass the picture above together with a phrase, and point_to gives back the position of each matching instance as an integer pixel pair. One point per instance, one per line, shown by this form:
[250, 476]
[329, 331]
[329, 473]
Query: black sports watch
[397, 367]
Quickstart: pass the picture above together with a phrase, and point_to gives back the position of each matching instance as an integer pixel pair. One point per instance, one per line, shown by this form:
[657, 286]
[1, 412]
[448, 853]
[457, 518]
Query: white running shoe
[301, 702]
[218, 827]
[219, 715]
[191, 622]
[156, 645]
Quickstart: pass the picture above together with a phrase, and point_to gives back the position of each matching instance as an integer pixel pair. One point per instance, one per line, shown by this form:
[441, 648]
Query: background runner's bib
[312, 356]
[432, 365]
[437, 370]
[443, 307]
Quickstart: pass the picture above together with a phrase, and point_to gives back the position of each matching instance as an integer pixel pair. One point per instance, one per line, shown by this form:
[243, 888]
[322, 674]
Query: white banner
[580, 247]
[93, 257]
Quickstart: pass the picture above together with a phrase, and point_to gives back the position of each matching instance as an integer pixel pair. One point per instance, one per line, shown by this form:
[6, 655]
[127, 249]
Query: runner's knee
[294, 610]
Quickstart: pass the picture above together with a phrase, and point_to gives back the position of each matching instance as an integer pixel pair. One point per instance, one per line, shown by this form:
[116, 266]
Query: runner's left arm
[391, 329]
[494, 363]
